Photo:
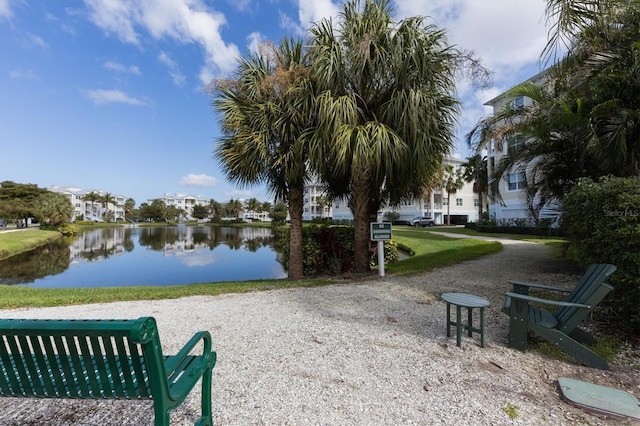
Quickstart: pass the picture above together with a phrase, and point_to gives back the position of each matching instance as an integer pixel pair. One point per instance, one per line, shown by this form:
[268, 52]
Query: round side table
[469, 301]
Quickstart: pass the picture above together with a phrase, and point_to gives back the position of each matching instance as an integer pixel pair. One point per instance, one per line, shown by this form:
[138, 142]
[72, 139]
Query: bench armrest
[526, 286]
[526, 298]
[174, 361]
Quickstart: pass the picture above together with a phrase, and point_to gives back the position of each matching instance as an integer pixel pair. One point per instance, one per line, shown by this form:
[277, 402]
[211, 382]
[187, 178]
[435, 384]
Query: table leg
[470, 323]
[458, 324]
[482, 327]
[448, 320]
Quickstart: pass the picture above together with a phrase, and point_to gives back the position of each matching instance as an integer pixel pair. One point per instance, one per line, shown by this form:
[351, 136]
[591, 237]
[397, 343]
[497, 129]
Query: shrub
[390, 253]
[329, 250]
[603, 223]
[326, 250]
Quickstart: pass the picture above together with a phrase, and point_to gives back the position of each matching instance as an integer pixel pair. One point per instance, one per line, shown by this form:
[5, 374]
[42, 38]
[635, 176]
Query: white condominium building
[95, 211]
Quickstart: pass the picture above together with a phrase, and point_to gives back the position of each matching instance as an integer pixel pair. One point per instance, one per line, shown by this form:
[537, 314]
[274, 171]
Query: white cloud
[310, 11]
[25, 75]
[115, 17]
[239, 194]
[174, 69]
[193, 179]
[117, 67]
[100, 96]
[185, 21]
[506, 35]
[254, 41]
[241, 5]
[5, 9]
[34, 40]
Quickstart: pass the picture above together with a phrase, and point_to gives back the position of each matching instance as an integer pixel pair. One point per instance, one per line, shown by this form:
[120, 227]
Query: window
[514, 143]
[445, 201]
[516, 181]
[476, 202]
[459, 202]
[518, 103]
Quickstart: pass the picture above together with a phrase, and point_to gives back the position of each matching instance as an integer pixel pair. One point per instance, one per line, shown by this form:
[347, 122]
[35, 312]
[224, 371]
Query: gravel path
[369, 353]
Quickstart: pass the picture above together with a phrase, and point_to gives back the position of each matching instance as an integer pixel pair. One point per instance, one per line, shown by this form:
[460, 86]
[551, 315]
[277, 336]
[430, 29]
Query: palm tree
[253, 206]
[266, 206]
[129, 207]
[475, 170]
[386, 109]
[234, 207]
[91, 197]
[264, 111]
[215, 208]
[107, 199]
[452, 183]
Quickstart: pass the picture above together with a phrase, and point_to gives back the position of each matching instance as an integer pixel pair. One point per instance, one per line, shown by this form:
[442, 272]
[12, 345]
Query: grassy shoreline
[18, 241]
[430, 251]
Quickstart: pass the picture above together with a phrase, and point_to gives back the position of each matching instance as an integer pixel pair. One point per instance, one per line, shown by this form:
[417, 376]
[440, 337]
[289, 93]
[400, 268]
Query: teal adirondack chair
[559, 327]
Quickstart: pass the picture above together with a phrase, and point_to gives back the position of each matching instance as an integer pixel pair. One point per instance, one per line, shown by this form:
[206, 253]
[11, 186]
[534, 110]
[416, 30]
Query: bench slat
[105, 389]
[53, 368]
[102, 359]
[86, 358]
[11, 382]
[112, 361]
[139, 367]
[74, 357]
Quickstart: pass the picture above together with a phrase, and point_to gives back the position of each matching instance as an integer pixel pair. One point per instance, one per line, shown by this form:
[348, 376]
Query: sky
[110, 94]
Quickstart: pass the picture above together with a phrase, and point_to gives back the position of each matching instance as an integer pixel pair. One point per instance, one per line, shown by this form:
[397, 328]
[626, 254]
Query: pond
[150, 256]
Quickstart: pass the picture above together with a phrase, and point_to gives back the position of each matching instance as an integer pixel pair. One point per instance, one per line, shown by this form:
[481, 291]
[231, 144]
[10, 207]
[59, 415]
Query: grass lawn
[430, 251]
[14, 242]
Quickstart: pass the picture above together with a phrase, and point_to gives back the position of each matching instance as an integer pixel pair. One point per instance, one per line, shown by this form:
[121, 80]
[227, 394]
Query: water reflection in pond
[129, 256]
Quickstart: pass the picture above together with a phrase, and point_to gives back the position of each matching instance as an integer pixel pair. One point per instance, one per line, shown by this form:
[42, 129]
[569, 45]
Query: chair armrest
[538, 286]
[174, 361]
[526, 298]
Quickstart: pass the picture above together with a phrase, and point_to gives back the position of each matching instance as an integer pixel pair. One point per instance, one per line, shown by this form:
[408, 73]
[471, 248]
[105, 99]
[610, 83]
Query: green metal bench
[102, 359]
[559, 327]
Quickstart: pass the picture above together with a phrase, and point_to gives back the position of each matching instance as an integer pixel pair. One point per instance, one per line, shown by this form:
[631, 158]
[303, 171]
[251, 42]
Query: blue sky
[108, 94]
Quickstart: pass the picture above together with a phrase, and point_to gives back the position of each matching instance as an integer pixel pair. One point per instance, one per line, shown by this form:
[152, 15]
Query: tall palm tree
[91, 197]
[253, 206]
[234, 207]
[452, 183]
[106, 199]
[475, 170]
[129, 207]
[264, 111]
[215, 208]
[386, 109]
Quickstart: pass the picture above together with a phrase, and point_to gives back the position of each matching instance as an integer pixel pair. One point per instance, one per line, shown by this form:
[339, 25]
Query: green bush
[326, 250]
[329, 249]
[390, 253]
[603, 224]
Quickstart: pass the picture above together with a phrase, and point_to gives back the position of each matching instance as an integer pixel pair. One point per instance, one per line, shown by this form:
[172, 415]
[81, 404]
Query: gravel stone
[367, 352]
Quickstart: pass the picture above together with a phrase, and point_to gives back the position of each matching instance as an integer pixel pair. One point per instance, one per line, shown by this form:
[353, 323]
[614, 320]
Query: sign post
[380, 232]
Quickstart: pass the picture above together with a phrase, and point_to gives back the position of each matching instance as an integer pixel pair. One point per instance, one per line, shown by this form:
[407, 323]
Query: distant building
[464, 204]
[95, 211]
[511, 186]
[183, 202]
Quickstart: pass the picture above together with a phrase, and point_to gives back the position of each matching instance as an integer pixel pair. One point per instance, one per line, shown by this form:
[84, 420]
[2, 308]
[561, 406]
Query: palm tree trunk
[360, 211]
[296, 266]
[448, 209]
[480, 205]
